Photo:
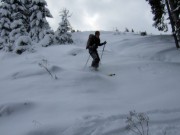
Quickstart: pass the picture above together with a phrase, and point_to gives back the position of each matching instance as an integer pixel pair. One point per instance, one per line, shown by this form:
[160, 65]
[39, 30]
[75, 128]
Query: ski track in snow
[137, 56]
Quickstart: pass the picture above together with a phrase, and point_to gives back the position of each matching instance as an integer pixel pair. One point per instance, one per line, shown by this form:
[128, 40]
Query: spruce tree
[18, 27]
[38, 23]
[22, 21]
[159, 9]
[63, 35]
[5, 21]
[26, 13]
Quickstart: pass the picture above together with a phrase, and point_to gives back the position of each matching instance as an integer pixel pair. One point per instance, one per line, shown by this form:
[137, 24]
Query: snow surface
[74, 100]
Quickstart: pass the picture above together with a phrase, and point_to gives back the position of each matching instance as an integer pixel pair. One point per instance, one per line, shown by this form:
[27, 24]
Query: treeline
[23, 23]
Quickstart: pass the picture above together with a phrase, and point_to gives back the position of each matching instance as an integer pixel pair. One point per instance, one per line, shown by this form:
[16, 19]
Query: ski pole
[87, 62]
[102, 52]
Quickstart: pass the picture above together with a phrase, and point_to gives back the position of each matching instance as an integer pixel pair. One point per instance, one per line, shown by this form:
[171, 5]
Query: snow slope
[74, 100]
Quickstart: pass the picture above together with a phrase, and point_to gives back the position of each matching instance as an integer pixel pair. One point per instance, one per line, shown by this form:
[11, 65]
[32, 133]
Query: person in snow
[92, 45]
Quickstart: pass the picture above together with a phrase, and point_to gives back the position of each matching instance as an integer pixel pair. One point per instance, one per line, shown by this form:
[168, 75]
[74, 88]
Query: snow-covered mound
[53, 92]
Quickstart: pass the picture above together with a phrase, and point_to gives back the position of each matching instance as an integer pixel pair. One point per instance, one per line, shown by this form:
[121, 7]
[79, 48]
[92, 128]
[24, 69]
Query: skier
[92, 45]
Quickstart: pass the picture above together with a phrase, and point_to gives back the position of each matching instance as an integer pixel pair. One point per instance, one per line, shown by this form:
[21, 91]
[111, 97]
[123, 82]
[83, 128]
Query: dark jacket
[95, 42]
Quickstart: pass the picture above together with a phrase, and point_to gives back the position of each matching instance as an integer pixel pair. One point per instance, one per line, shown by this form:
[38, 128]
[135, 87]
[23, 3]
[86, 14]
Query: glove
[104, 42]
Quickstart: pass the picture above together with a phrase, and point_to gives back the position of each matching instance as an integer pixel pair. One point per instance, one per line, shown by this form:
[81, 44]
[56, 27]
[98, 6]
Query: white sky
[104, 14]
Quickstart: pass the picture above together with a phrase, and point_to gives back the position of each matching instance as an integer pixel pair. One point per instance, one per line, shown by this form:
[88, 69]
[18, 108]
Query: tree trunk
[175, 15]
[172, 24]
[172, 8]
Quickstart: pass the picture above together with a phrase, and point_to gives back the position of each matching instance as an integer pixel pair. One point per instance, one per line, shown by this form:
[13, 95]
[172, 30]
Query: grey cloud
[104, 14]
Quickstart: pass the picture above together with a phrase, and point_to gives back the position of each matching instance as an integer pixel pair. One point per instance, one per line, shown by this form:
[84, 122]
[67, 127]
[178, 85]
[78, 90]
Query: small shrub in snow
[44, 64]
[138, 123]
[126, 30]
[72, 31]
[143, 33]
[117, 32]
[23, 43]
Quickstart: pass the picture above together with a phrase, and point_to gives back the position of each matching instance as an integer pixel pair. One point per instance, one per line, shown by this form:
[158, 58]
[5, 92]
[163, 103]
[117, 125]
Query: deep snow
[85, 102]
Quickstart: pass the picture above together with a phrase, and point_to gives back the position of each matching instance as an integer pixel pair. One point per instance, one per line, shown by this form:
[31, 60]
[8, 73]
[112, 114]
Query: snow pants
[94, 54]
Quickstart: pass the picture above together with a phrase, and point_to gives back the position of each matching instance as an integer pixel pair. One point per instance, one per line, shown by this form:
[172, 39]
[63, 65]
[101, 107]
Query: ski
[97, 69]
[112, 74]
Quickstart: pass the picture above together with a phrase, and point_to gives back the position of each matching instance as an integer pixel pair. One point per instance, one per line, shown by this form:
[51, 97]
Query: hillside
[74, 100]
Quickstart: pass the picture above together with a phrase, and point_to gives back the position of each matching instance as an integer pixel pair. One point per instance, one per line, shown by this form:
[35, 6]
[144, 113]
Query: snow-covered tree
[5, 21]
[63, 35]
[48, 39]
[17, 25]
[12, 24]
[22, 44]
[26, 13]
[39, 26]
[22, 21]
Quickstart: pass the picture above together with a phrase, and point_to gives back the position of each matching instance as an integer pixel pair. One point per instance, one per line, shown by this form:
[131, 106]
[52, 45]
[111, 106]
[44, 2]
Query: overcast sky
[104, 14]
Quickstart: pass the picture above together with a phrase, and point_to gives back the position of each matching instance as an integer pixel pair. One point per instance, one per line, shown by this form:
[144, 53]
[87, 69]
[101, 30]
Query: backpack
[90, 41]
